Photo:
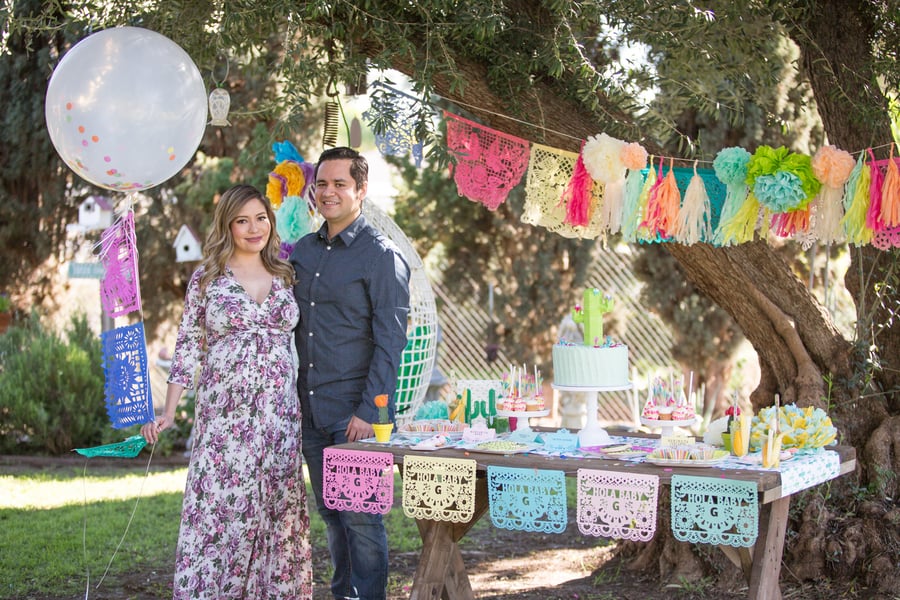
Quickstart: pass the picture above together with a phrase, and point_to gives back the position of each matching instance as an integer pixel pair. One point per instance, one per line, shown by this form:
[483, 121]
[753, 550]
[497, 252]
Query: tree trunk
[802, 356]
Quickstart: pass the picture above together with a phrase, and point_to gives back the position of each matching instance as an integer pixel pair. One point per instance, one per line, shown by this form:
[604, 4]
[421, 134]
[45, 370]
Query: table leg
[767, 553]
[441, 572]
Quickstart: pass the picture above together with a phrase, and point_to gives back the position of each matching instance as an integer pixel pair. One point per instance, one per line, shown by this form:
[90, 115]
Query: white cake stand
[515, 415]
[666, 427]
[592, 434]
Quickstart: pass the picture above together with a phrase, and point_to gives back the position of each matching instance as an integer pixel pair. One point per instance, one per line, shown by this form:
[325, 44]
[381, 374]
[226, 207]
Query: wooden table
[441, 572]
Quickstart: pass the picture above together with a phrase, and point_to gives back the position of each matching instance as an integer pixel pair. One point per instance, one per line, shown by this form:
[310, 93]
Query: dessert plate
[500, 447]
[718, 457]
[669, 423]
[523, 413]
[424, 435]
[616, 451]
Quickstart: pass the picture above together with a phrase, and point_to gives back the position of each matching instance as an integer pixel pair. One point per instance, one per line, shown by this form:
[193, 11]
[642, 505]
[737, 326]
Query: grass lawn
[61, 529]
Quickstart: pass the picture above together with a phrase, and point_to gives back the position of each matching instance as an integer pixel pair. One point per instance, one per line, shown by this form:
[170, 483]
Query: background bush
[51, 388]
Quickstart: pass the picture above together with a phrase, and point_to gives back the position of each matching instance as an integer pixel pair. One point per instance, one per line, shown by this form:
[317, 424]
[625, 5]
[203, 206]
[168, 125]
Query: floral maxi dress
[244, 525]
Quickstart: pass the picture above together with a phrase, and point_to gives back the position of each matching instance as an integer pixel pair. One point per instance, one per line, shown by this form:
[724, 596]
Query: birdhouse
[96, 212]
[187, 245]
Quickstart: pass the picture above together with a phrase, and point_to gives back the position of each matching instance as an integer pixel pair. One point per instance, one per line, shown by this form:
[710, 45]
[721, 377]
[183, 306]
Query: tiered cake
[597, 363]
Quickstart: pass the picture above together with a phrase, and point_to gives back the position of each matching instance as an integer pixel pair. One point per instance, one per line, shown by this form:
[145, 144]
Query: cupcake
[665, 413]
[681, 413]
[535, 404]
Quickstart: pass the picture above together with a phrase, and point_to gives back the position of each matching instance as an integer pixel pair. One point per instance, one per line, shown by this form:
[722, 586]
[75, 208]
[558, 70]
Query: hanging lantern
[219, 103]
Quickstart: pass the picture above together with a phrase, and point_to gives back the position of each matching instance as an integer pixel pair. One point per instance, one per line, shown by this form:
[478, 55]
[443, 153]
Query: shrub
[51, 389]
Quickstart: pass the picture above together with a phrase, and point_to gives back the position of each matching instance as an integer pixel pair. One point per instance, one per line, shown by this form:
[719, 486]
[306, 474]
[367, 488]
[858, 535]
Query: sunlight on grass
[38, 492]
[61, 529]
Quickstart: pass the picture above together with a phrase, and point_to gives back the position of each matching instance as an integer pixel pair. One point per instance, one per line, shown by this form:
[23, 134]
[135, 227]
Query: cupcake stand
[592, 434]
[667, 427]
[515, 415]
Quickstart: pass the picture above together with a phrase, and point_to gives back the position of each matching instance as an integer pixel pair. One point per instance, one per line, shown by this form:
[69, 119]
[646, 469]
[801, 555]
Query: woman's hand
[151, 431]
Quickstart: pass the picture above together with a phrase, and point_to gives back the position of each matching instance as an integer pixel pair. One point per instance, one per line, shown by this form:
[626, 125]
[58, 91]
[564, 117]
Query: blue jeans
[357, 541]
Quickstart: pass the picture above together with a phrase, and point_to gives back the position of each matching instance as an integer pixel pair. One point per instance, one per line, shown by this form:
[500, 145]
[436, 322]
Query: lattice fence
[464, 325]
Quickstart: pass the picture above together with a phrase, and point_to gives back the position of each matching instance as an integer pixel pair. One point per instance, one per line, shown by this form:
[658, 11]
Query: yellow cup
[383, 431]
[771, 451]
[740, 435]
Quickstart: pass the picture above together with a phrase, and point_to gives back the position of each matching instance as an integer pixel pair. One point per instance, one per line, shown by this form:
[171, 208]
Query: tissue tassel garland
[634, 188]
[890, 194]
[647, 201]
[662, 208]
[856, 201]
[833, 168]
[873, 217]
[791, 223]
[692, 224]
[577, 195]
[730, 166]
[739, 228]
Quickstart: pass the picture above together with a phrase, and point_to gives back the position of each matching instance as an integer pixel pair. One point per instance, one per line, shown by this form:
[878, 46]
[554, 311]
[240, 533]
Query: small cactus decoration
[590, 314]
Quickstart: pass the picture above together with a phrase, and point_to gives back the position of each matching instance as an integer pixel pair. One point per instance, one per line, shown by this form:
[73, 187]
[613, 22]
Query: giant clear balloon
[126, 108]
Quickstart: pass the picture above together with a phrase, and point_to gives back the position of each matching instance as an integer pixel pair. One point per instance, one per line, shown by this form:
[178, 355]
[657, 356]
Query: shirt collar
[350, 233]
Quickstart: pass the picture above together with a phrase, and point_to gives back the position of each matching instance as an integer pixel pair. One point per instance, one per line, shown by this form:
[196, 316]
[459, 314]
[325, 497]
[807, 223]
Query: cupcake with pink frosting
[650, 410]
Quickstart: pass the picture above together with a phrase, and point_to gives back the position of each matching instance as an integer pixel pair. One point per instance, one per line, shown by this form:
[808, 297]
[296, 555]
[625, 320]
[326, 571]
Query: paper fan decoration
[129, 448]
[804, 428]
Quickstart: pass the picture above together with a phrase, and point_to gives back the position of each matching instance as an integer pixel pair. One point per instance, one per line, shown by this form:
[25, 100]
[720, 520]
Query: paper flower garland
[804, 428]
[604, 158]
[782, 180]
[286, 180]
[286, 151]
[856, 204]
[833, 168]
[730, 166]
[634, 157]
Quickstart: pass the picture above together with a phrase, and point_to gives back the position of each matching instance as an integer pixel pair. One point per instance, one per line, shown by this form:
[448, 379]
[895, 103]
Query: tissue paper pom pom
[292, 219]
[780, 192]
[602, 157]
[832, 166]
[771, 161]
[286, 151]
[634, 157]
[293, 176]
[804, 428]
[730, 165]
[286, 249]
[276, 188]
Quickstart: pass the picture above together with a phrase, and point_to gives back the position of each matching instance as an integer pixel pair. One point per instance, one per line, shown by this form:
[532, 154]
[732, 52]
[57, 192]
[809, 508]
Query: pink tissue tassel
[577, 195]
[890, 194]
[873, 217]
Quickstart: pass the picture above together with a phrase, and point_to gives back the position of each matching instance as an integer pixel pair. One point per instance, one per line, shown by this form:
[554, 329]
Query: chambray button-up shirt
[353, 293]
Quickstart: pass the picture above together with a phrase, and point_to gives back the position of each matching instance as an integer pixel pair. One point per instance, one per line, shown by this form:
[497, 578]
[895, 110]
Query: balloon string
[127, 526]
[87, 566]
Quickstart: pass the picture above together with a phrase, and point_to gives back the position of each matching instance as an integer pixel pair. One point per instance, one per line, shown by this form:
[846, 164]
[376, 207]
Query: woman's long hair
[219, 244]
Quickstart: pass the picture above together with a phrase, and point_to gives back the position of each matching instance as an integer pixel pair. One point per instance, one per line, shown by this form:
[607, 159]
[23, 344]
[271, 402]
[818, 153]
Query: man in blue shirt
[353, 292]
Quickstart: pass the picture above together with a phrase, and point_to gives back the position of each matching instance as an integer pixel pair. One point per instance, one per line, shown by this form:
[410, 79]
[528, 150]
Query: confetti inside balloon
[126, 108]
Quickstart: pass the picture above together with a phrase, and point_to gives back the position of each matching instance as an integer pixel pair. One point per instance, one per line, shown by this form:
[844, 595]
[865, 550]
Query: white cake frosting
[588, 366]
